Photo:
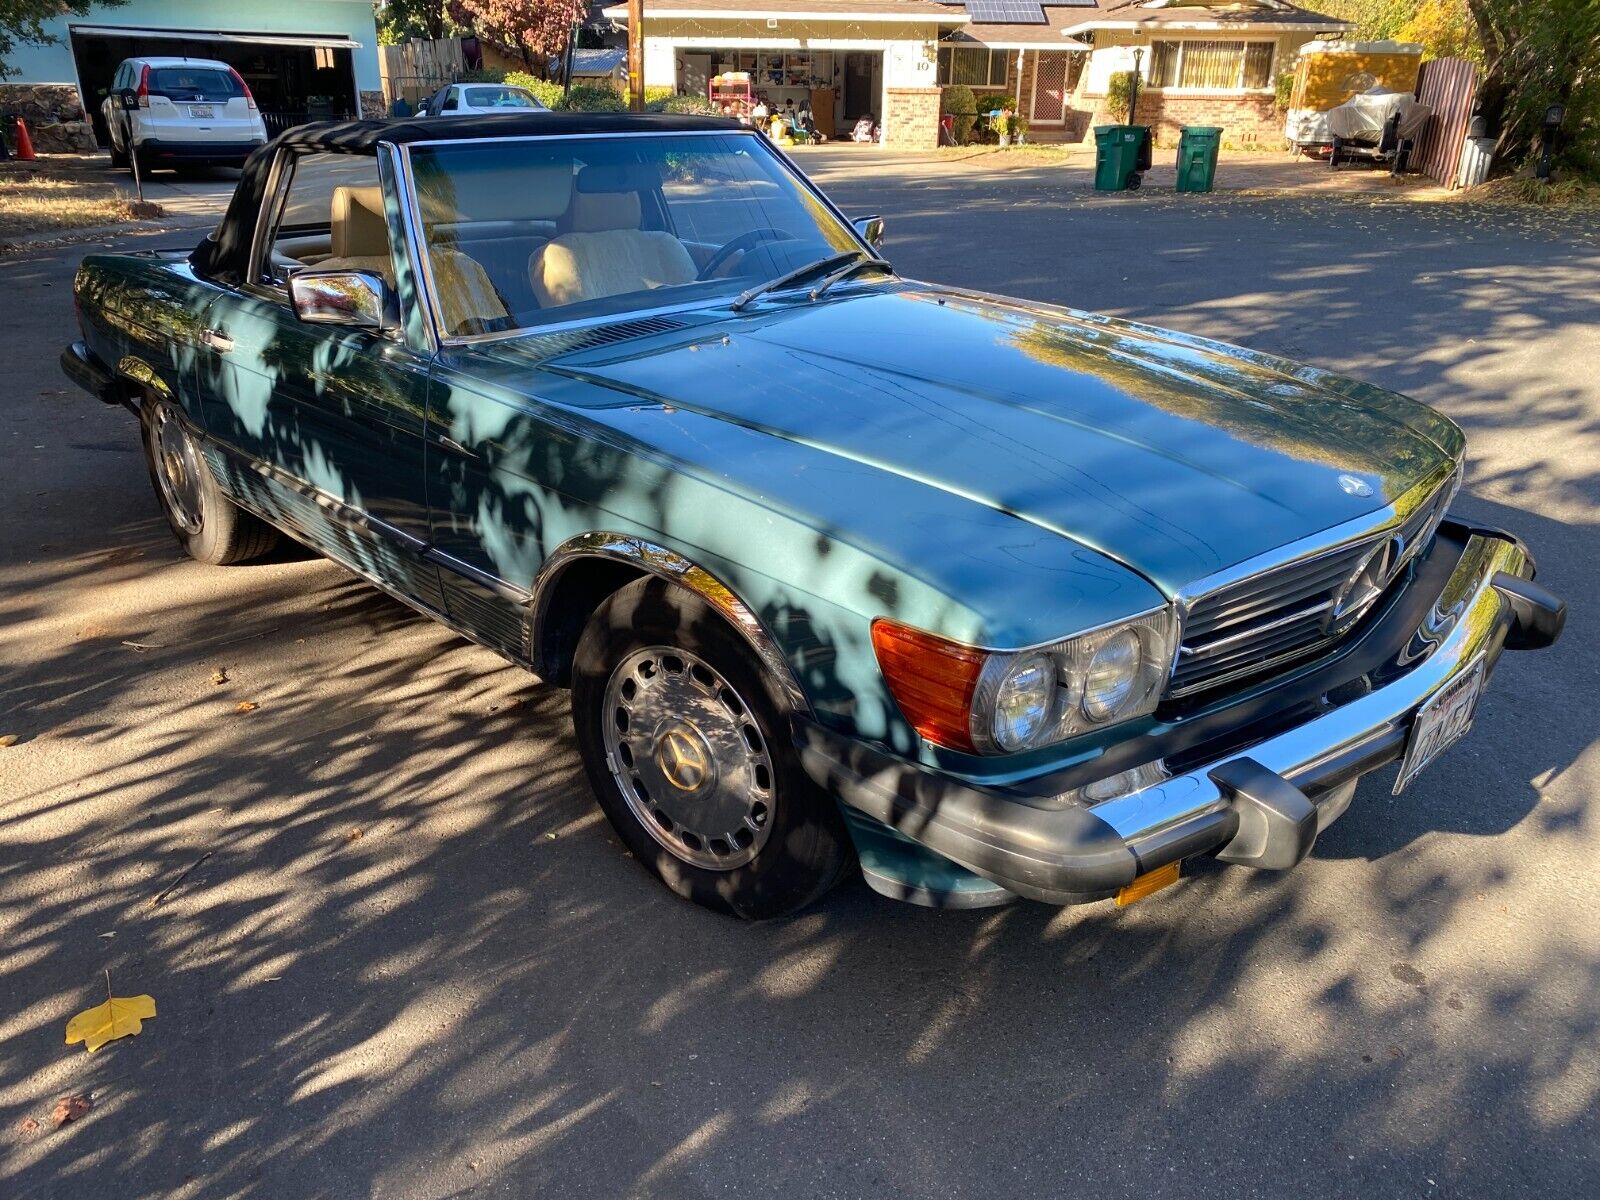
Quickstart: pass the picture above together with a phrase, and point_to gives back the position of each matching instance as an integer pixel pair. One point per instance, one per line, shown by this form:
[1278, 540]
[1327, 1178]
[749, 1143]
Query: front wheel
[685, 738]
[209, 526]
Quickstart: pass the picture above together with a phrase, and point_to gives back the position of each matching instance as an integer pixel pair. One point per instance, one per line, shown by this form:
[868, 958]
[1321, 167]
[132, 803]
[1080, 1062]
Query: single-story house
[1199, 63]
[301, 58]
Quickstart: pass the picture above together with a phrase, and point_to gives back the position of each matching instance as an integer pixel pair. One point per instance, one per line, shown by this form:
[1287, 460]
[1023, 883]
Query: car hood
[1173, 455]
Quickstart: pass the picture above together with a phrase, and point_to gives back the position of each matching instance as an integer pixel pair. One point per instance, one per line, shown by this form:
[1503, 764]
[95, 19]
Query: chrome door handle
[216, 340]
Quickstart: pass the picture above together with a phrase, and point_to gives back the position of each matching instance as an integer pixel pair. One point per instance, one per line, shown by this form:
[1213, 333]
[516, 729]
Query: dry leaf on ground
[70, 1108]
[8, 739]
[119, 1016]
[245, 706]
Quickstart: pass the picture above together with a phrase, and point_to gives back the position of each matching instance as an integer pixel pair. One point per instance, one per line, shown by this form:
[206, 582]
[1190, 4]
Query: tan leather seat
[360, 235]
[606, 253]
[360, 242]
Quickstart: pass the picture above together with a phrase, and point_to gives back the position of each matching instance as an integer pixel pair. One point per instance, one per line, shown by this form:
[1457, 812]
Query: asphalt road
[397, 953]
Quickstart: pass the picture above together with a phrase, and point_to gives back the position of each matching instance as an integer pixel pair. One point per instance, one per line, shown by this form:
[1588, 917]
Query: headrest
[488, 191]
[359, 229]
[596, 212]
[618, 177]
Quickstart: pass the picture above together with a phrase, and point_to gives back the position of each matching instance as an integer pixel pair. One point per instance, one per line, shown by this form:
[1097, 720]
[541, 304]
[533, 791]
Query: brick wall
[911, 119]
[1246, 120]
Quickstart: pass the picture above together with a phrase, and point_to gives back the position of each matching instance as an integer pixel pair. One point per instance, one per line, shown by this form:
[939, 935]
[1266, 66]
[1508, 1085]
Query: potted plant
[1003, 125]
[1019, 129]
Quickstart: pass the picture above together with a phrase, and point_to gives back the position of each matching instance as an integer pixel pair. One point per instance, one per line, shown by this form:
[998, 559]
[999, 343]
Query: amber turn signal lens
[1150, 881]
[932, 678]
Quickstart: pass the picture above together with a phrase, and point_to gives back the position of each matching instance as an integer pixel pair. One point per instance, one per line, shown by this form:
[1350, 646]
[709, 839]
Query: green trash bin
[1197, 157]
[1117, 150]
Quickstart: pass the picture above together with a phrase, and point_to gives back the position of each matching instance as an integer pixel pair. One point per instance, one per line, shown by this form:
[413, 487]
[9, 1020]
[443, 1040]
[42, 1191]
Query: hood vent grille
[568, 341]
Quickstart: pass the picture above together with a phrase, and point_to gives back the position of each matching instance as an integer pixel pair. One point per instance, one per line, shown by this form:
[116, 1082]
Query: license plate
[1440, 724]
[204, 111]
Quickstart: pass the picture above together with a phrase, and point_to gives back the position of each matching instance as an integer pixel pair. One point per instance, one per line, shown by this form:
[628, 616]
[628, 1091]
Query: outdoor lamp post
[1133, 87]
[1553, 116]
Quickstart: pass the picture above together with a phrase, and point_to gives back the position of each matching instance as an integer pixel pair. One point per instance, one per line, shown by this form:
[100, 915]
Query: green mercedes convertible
[991, 598]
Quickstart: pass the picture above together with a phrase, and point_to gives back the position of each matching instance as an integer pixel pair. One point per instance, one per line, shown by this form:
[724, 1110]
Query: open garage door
[294, 78]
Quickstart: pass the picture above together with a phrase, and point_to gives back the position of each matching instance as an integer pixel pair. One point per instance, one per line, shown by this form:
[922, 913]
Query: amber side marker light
[1150, 881]
[933, 680]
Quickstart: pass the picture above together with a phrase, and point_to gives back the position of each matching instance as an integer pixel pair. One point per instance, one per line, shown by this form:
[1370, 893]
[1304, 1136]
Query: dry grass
[1520, 189]
[45, 197]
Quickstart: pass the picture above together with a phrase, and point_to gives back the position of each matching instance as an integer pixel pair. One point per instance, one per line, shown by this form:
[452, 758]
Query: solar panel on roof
[1006, 12]
[1069, 3]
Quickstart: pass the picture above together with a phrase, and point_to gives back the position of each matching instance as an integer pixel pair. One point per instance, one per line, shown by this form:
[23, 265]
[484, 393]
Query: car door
[329, 420]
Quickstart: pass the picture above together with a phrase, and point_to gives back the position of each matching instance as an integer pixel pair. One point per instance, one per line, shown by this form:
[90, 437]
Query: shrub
[484, 75]
[687, 103]
[957, 101]
[1284, 89]
[548, 94]
[1119, 97]
[584, 98]
[656, 93]
[989, 101]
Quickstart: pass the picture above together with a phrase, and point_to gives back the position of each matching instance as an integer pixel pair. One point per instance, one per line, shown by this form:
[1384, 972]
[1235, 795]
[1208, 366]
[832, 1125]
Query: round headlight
[1022, 701]
[1112, 672]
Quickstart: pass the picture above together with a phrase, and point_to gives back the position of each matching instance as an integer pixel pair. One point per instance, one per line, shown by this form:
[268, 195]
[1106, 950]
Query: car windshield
[501, 97]
[526, 233]
[193, 83]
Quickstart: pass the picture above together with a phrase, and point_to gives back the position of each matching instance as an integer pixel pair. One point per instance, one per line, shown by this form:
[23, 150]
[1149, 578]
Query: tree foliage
[1538, 53]
[537, 30]
[25, 20]
[401, 20]
[1532, 53]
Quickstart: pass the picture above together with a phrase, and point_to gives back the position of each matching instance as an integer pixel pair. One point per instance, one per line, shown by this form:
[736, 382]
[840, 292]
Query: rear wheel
[119, 158]
[685, 737]
[209, 526]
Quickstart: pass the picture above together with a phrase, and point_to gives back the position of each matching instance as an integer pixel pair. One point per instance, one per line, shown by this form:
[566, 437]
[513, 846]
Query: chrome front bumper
[1261, 805]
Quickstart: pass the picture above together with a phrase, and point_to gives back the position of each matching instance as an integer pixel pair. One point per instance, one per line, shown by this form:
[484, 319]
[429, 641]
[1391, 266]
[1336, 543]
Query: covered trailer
[1330, 73]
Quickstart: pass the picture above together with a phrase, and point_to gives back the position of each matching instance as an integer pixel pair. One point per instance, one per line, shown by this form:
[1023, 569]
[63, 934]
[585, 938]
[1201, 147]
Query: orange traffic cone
[24, 143]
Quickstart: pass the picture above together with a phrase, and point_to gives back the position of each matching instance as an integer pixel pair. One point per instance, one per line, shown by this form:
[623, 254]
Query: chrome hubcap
[689, 758]
[177, 470]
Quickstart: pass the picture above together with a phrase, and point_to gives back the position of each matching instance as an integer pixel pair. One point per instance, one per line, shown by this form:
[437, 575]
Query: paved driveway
[398, 954]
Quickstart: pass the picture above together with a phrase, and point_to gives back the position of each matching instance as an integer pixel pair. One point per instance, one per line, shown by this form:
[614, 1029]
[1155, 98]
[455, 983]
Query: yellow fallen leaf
[8, 739]
[119, 1016]
[245, 706]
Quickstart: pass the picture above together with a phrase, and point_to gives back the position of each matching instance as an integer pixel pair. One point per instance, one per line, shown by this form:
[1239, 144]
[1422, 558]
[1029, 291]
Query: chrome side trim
[654, 559]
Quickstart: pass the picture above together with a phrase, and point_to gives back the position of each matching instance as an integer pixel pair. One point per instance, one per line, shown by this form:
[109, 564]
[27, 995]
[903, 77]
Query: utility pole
[636, 55]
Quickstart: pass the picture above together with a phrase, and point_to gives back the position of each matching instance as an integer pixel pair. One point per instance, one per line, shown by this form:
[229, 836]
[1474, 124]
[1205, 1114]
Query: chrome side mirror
[871, 230]
[357, 299]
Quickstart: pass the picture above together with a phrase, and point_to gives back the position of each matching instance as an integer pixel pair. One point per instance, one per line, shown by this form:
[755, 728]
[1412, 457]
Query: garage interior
[293, 78]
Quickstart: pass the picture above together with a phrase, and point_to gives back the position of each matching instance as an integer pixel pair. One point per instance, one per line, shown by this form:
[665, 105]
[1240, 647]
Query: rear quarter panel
[142, 316]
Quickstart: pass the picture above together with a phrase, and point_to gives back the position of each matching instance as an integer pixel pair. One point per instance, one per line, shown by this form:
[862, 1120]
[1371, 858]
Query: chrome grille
[1283, 613]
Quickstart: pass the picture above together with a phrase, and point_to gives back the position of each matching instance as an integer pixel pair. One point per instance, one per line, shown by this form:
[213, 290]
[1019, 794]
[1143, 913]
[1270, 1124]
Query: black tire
[119, 158]
[806, 849]
[218, 531]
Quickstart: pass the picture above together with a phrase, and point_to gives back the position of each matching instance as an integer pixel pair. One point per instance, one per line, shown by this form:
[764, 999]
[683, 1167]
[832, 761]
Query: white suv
[180, 112]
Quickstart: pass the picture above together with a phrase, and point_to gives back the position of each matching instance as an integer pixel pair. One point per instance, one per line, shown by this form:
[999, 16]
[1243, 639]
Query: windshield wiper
[811, 268]
[849, 269]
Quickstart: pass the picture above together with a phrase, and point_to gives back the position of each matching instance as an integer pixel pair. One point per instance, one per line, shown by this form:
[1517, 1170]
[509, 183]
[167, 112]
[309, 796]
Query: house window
[974, 66]
[1215, 66]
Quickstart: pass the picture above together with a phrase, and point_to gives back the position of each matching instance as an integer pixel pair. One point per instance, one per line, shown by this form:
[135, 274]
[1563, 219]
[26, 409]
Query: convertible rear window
[193, 83]
[525, 233]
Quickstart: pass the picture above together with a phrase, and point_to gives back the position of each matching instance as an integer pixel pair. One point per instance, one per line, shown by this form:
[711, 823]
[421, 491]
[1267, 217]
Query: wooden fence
[417, 69]
[1448, 86]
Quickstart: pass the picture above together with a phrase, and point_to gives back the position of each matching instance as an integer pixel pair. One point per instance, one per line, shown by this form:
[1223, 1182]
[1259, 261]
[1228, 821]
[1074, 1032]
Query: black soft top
[224, 256]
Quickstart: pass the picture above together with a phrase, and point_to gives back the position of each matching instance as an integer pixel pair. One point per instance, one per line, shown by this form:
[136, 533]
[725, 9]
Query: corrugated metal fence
[1448, 86]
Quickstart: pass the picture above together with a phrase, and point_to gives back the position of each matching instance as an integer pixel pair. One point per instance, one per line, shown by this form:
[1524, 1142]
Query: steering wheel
[739, 245]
